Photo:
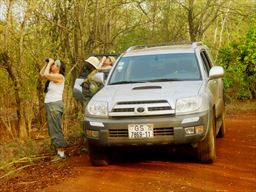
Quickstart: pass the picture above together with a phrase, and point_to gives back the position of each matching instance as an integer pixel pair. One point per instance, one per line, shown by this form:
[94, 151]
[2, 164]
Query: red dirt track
[234, 169]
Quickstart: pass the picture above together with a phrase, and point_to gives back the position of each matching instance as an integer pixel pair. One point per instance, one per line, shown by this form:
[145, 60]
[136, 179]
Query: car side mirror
[216, 72]
[77, 90]
[99, 77]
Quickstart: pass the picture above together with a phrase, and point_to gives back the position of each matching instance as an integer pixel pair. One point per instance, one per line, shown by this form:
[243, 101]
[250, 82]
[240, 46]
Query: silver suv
[158, 95]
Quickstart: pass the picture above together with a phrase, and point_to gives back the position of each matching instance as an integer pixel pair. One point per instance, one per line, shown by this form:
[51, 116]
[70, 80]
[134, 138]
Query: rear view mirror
[216, 72]
[77, 90]
[99, 77]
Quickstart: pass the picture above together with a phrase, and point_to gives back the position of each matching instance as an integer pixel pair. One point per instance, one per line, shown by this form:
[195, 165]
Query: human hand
[103, 59]
[50, 60]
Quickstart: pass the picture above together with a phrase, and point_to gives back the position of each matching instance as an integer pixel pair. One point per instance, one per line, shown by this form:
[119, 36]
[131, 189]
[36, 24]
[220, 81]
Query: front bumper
[167, 130]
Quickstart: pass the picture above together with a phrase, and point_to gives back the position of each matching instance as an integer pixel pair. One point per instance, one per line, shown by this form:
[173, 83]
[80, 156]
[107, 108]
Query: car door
[214, 85]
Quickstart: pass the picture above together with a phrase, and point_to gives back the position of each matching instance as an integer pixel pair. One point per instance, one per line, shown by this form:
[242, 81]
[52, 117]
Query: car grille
[118, 133]
[141, 108]
[167, 131]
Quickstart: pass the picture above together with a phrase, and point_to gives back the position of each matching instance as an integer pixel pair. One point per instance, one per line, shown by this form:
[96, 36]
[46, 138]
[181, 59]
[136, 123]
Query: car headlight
[187, 105]
[97, 108]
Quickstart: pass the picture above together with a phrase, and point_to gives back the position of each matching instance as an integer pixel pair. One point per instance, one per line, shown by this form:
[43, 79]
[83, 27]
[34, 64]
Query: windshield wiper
[164, 79]
[126, 82]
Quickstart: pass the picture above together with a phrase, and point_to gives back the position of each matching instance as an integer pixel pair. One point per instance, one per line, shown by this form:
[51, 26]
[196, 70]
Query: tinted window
[156, 67]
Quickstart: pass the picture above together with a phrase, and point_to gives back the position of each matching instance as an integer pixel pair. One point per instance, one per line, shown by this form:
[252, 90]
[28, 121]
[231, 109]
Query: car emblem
[140, 109]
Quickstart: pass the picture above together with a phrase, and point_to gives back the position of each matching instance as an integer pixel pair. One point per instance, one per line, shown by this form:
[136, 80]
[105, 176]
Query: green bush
[239, 62]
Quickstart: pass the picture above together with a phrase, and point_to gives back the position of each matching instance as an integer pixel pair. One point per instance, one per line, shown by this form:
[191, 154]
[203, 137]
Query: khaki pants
[54, 111]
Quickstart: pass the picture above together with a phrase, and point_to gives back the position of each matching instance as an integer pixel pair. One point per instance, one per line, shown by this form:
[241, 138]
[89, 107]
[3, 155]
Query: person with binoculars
[54, 72]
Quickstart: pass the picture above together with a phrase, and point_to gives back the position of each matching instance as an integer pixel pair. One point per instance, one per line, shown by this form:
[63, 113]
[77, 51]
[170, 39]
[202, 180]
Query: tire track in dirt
[234, 169]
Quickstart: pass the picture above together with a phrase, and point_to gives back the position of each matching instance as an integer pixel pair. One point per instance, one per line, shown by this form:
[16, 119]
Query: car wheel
[97, 155]
[206, 149]
[222, 130]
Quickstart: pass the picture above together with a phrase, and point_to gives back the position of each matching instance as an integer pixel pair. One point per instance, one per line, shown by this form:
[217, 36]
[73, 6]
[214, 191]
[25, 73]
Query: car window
[206, 61]
[176, 66]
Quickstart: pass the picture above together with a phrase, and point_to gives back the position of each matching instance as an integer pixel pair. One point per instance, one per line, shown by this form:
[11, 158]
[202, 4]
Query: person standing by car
[89, 85]
[54, 72]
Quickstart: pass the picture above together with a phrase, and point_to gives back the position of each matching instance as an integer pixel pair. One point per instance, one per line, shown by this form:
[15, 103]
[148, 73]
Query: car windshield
[154, 68]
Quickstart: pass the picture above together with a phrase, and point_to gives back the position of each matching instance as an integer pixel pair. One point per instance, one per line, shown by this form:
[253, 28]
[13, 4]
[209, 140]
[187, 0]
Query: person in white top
[54, 72]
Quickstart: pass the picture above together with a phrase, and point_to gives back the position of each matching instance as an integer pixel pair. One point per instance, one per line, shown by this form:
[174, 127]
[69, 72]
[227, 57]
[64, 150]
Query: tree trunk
[22, 131]
[192, 32]
[40, 96]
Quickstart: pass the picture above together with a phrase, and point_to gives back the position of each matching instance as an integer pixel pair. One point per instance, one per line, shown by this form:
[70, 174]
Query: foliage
[239, 61]
[31, 31]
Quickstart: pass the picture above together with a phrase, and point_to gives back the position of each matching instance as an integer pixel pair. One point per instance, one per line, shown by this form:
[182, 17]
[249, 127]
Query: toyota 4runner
[158, 95]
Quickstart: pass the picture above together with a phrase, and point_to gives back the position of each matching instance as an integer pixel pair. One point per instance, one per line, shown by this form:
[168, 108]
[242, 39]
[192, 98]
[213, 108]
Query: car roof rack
[135, 47]
[194, 45]
[105, 54]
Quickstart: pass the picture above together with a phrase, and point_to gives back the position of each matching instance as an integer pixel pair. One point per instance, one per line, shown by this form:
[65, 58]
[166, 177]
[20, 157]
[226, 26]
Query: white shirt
[54, 93]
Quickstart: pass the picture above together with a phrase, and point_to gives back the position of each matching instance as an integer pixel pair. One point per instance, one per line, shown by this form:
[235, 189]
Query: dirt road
[234, 169]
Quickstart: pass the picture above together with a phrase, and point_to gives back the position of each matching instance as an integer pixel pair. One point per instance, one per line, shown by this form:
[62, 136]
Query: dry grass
[17, 149]
[241, 106]
[37, 146]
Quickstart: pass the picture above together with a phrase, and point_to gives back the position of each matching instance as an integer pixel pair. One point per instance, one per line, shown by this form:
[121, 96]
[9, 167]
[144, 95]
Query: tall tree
[200, 15]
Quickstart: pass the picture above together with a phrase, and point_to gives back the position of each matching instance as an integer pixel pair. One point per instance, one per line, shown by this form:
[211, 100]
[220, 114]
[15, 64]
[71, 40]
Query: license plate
[138, 131]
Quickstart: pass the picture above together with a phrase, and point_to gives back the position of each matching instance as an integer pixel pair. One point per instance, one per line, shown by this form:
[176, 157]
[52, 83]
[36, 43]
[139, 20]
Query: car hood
[170, 91]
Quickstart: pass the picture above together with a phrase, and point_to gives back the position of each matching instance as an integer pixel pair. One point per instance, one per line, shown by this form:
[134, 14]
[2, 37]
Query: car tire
[206, 149]
[222, 130]
[97, 155]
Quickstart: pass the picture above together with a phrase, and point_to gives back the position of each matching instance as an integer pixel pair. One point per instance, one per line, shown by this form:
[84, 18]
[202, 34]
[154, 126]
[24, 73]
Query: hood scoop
[146, 87]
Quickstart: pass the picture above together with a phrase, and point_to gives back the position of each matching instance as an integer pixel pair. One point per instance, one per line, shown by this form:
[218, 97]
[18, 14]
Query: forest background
[72, 30]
